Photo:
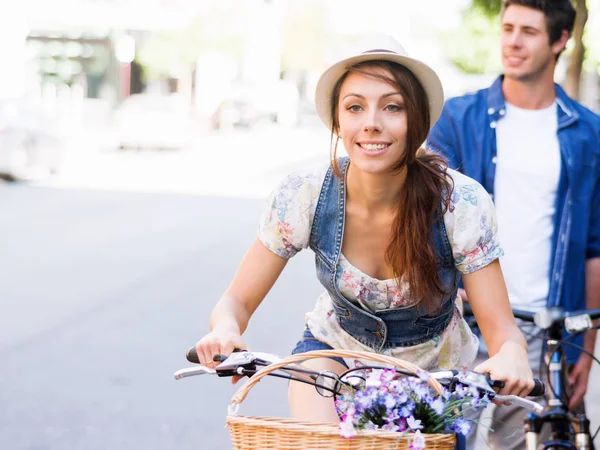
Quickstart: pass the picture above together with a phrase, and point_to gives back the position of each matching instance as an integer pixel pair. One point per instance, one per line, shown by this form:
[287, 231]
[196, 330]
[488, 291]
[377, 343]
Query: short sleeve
[472, 226]
[285, 224]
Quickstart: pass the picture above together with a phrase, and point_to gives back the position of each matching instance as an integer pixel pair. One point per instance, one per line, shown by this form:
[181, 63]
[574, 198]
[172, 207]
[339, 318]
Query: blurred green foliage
[473, 46]
[490, 8]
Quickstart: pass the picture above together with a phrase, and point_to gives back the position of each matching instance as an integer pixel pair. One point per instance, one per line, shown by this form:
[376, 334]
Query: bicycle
[251, 433]
[569, 431]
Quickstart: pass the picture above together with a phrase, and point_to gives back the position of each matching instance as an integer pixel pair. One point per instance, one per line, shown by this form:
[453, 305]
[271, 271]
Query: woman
[393, 231]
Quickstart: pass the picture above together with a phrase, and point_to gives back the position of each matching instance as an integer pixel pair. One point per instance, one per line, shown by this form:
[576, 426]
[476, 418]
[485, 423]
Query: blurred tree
[573, 77]
[471, 47]
[491, 8]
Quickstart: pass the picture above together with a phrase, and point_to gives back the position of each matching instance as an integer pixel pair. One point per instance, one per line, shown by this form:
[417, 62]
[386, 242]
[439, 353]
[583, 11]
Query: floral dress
[471, 225]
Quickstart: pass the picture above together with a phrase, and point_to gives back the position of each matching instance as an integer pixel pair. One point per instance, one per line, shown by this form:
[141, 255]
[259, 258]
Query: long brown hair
[412, 251]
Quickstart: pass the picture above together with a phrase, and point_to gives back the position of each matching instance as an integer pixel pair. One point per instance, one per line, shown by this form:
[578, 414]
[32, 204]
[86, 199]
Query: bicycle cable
[292, 378]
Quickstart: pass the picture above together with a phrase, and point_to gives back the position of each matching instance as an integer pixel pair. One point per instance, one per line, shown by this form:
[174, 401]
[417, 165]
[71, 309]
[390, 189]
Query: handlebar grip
[538, 390]
[192, 356]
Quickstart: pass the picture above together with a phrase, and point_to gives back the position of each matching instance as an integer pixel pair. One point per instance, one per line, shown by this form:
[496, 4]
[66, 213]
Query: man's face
[526, 49]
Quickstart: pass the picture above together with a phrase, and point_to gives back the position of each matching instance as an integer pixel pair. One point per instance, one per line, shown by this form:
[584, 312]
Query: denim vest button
[493, 125]
[491, 111]
[494, 159]
[502, 111]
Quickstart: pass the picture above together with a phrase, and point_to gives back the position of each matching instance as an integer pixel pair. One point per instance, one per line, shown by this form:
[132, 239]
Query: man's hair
[559, 14]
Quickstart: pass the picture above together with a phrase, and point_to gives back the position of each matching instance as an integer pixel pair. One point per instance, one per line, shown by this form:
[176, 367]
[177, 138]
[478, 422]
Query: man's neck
[536, 94]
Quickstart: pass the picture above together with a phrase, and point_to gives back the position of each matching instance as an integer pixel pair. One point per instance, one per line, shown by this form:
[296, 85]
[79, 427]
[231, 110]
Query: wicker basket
[253, 433]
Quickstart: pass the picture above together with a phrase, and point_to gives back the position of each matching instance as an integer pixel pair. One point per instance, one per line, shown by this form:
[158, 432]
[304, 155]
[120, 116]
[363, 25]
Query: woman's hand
[219, 342]
[511, 365]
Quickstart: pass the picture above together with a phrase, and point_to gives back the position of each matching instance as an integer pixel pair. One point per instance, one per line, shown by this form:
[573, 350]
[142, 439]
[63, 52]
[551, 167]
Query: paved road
[101, 294]
[104, 286]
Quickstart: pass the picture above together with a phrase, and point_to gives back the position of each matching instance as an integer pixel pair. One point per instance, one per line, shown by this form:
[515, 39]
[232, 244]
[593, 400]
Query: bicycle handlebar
[538, 390]
[574, 321]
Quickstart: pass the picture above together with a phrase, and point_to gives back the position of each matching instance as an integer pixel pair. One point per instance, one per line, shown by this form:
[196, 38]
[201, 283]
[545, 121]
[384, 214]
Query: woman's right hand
[218, 342]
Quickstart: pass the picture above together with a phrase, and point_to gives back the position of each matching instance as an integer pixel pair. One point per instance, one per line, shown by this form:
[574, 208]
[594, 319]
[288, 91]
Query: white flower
[437, 405]
[374, 379]
[418, 442]
[413, 424]
[347, 429]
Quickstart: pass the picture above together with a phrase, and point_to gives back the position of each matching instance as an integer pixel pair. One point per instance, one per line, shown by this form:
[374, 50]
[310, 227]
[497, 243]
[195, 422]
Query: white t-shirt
[527, 175]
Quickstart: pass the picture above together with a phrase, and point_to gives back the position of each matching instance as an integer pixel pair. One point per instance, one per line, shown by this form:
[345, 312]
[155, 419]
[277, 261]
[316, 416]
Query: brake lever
[520, 401]
[193, 371]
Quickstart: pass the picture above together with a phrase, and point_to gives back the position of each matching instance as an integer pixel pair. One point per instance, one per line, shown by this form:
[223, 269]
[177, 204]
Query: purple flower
[392, 416]
[462, 426]
[406, 409]
[390, 426]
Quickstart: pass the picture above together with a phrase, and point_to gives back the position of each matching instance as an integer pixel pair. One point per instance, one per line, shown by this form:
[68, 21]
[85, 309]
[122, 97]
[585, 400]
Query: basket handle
[243, 391]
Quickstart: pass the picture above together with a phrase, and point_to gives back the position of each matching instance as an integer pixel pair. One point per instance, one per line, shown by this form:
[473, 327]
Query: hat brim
[426, 76]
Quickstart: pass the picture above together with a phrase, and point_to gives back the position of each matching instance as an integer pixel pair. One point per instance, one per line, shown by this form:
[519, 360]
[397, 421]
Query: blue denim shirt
[466, 135]
[387, 328]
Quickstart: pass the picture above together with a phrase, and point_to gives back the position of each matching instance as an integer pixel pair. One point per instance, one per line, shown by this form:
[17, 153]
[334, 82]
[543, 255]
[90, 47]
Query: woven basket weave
[254, 433]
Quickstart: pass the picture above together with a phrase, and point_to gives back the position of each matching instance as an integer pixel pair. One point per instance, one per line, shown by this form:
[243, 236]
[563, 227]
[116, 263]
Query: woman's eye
[354, 108]
[394, 108]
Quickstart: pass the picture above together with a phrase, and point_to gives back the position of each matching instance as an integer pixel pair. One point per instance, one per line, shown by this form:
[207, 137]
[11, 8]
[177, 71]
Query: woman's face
[372, 122]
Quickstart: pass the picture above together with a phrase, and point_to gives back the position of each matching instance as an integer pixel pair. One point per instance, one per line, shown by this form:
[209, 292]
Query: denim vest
[386, 328]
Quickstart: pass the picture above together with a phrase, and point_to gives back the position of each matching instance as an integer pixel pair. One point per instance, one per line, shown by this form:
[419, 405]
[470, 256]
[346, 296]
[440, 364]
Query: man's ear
[561, 43]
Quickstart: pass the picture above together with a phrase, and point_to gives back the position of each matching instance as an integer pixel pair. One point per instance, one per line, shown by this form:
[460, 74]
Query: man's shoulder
[587, 115]
[583, 113]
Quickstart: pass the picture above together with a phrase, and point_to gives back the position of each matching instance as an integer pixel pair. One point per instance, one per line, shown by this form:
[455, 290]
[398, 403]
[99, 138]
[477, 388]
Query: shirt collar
[496, 103]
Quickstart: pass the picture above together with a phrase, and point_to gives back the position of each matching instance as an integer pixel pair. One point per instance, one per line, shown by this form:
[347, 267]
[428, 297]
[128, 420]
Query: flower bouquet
[406, 405]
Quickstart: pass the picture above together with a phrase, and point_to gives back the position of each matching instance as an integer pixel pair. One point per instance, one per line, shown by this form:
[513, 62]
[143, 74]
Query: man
[537, 152]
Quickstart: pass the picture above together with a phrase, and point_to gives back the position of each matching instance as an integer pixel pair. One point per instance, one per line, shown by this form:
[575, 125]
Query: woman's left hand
[511, 365]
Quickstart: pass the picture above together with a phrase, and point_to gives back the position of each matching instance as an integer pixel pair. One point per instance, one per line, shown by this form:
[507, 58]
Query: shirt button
[493, 125]
[494, 159]
[491, 111]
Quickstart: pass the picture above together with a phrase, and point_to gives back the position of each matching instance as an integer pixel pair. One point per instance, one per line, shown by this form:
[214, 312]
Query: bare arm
[255, 276]
[488, 298]
[253, 280]
[592, 299]
[506, 344]
[579, 375]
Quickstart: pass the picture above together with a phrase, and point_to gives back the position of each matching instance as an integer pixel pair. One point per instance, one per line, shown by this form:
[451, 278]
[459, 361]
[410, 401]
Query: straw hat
[379, 48]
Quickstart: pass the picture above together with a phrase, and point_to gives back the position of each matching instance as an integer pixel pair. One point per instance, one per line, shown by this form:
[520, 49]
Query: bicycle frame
[565, 427]
[561, 421]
